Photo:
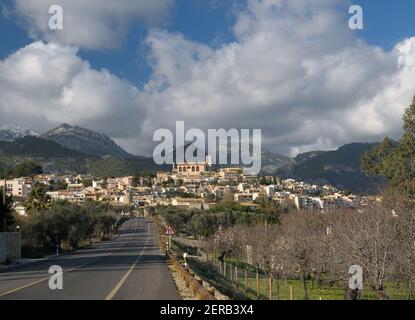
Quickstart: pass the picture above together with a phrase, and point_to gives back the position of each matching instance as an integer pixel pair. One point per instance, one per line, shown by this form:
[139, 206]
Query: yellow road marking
[125, 277]
[23, 287]
[47, 278]
[70, 270]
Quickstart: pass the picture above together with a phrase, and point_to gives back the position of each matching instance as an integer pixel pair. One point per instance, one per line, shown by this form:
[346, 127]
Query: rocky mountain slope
[11, 132]
[85, 141]
[340, 168]
[72, 149]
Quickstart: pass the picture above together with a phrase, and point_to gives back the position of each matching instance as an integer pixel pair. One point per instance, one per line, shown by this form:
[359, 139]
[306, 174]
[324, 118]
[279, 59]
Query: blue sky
[308, 84]
[200, 20]
[386, 23]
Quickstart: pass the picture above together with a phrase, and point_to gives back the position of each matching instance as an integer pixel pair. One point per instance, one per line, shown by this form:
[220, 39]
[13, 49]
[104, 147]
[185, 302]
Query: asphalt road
[128, 267]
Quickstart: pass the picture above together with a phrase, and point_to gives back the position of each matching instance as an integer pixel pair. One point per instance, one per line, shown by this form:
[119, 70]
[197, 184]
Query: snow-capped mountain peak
[13, 132]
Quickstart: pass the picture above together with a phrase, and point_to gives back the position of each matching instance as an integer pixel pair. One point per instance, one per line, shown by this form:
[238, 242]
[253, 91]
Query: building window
[193, 169]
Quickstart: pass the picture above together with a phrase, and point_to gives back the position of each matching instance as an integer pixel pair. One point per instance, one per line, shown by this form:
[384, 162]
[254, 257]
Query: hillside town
[188, 186]
[224, 152]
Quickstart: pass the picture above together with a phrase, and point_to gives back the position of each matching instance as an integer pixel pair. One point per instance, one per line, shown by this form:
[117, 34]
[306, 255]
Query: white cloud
[296, 71]
[90, 24]
[43, 85]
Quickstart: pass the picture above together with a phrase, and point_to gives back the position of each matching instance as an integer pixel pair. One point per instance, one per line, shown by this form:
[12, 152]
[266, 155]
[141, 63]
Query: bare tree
[380, 238]
[296, 245]
[405, 214]
[368, 238]
[226, 242]
[324, 255]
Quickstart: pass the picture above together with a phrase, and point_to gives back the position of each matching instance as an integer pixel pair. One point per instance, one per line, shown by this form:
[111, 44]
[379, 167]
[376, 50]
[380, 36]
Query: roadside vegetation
[314, 251]
[63, 226]
[311, 247]
[201, 224]
[6, 215]
[23, 169]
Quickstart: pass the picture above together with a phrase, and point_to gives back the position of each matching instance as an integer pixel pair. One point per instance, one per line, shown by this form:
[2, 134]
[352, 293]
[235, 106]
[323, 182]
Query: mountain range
[10, 133]
[340, 168]
[71, 149]
[85, 141]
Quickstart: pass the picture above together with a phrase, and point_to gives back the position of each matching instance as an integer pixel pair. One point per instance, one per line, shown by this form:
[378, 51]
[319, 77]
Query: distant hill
[272, 162]
[51, 156]
[72, 149]
[113, 166]
[11, 132]
[85, 141]
[340, 168]
[55, 158]
[37, 147]
[306, 157]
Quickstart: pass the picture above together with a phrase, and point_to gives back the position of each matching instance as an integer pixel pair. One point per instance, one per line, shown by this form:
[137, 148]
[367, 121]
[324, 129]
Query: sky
[292, 68]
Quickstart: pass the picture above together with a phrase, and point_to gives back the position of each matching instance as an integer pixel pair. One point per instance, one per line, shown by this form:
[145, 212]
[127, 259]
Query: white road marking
[125, 277]
[66, 271]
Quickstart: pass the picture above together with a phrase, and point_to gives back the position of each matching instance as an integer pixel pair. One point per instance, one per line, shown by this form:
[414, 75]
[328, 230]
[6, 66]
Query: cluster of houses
[188, 185]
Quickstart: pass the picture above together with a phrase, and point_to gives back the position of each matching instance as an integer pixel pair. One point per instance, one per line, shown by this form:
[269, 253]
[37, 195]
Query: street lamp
[18, 228]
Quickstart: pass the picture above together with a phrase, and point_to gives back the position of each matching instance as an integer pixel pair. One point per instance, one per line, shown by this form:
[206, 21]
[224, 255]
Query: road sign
[170, 231]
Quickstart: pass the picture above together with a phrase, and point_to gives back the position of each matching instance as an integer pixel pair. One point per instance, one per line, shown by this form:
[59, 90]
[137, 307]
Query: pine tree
[395, 160]
[5, 212]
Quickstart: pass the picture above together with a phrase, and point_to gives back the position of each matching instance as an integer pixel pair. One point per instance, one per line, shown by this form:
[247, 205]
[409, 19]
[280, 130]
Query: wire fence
[242, 281]
[249, 284]
[246, 282]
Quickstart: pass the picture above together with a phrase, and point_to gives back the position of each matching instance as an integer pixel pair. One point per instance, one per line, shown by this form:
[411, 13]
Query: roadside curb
[194, 284]
[6, 268]
[33, 262]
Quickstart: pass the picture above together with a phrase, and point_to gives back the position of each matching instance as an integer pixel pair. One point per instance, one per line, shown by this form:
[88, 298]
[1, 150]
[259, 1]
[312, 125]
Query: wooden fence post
[291, 293]
[236, 277]
[270, 287]
[257, 283]
[278, 287]
[246, 282]
[224, 269]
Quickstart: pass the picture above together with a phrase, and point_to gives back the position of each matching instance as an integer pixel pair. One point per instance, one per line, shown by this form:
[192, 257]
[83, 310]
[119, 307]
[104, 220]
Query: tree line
[202, 224]
[395, 160]
[379, 237]
[6, 214]
[322, 247]
[24, 169]
[61, 224]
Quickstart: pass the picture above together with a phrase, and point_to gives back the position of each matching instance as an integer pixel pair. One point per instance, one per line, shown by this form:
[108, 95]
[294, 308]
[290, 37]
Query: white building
[243, 197]
[16, 187]
[71, 196]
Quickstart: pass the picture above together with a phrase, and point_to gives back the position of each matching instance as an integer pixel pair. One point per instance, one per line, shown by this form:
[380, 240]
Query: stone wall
[10, 246]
